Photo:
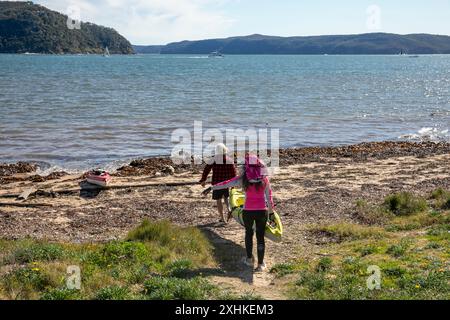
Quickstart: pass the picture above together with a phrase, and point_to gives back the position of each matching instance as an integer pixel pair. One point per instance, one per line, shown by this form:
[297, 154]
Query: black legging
[259, 218]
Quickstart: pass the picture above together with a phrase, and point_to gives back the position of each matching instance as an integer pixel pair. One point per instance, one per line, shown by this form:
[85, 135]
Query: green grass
[180, 268]
[346, 231]
[25, 283]
[371, 214]
[324, 264]
[407, 276]
[171, 288]
[415, 222]
[114, 292]
[186, 240]
[155, 254]
[60, 294]
[439, 232]
[283, 269]
[29, 251]
[398, 250]
[439, 193]
[408, 240]
[405, 204]
[367, 250]
[441, 199]
[409, 243]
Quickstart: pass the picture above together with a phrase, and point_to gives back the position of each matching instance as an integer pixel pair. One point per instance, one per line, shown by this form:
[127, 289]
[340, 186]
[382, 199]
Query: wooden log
[169, 184]
[9, 195]
[88, 186]
[25, 205]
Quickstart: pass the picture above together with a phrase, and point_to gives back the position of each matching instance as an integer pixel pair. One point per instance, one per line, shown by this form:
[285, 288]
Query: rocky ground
[313, 185]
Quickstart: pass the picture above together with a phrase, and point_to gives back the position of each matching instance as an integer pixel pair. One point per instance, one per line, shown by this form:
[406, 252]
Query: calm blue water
[79, 111]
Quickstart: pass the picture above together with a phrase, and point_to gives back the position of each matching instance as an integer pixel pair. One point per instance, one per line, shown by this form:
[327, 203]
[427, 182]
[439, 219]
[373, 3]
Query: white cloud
[153, 21]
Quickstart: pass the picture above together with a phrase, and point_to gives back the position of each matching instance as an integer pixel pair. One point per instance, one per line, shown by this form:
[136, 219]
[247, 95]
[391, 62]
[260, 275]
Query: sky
[148, 22]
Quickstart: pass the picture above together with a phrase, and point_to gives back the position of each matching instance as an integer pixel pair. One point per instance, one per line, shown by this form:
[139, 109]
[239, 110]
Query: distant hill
[371, 43]
[28, 27]
[147, 49]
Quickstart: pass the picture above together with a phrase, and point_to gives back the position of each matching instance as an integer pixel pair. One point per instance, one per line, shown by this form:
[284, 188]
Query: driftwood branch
[90, 187]
[25, 205]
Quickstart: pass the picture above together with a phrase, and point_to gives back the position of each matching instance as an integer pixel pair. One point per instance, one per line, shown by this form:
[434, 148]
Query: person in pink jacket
[258, 204]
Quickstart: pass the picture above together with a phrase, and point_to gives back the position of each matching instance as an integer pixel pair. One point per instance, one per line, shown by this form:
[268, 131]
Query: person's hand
[206, 191]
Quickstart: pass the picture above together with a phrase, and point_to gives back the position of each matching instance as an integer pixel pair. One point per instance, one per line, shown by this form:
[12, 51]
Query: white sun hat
[221, 149]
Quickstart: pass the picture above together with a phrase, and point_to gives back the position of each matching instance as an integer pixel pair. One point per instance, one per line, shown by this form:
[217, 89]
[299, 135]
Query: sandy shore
[314, 185]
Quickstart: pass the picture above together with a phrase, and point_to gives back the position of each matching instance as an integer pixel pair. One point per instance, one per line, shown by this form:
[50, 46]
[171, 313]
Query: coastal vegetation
[372, 43]
[159, 260]
[27, 27]
[409, 244]
[156, 261]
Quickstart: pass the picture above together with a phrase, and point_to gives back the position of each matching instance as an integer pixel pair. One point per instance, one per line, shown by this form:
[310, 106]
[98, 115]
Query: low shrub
[30, 251]
[405, 204]
[187, 241]
[283, 269]
[113, 293]
[180, 268]
[25, 283]
[312, 280]
[118, 252]
[398, 250]
[170, 288]
[441, 198]
[60, 294]
[367, 250]
[348, 231]
[324, 264]
[371, 214]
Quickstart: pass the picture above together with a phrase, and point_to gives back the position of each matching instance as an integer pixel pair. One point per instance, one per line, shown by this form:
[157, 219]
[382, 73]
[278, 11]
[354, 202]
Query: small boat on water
[98, 177]
[215, 54]
[106, 53]
[404, 54]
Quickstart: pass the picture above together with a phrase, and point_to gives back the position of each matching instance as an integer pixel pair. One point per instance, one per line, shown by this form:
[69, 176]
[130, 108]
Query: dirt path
[313, 192]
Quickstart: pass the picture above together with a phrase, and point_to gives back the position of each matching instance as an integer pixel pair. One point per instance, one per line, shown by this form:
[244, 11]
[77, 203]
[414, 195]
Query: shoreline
[155, 165]
[318, 193]
[312, 185]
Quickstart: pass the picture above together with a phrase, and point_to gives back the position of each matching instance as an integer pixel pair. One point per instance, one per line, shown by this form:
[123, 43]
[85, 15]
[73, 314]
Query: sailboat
[106, 53]
[404, 54]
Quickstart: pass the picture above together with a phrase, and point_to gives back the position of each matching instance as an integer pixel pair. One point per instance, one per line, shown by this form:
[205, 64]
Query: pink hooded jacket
[256, 199]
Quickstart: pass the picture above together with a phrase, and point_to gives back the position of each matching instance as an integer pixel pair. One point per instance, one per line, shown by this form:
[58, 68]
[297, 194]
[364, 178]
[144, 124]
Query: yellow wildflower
[35, 269]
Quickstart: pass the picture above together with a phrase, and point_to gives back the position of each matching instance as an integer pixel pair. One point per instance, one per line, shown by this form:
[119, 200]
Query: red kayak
[98, 177]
